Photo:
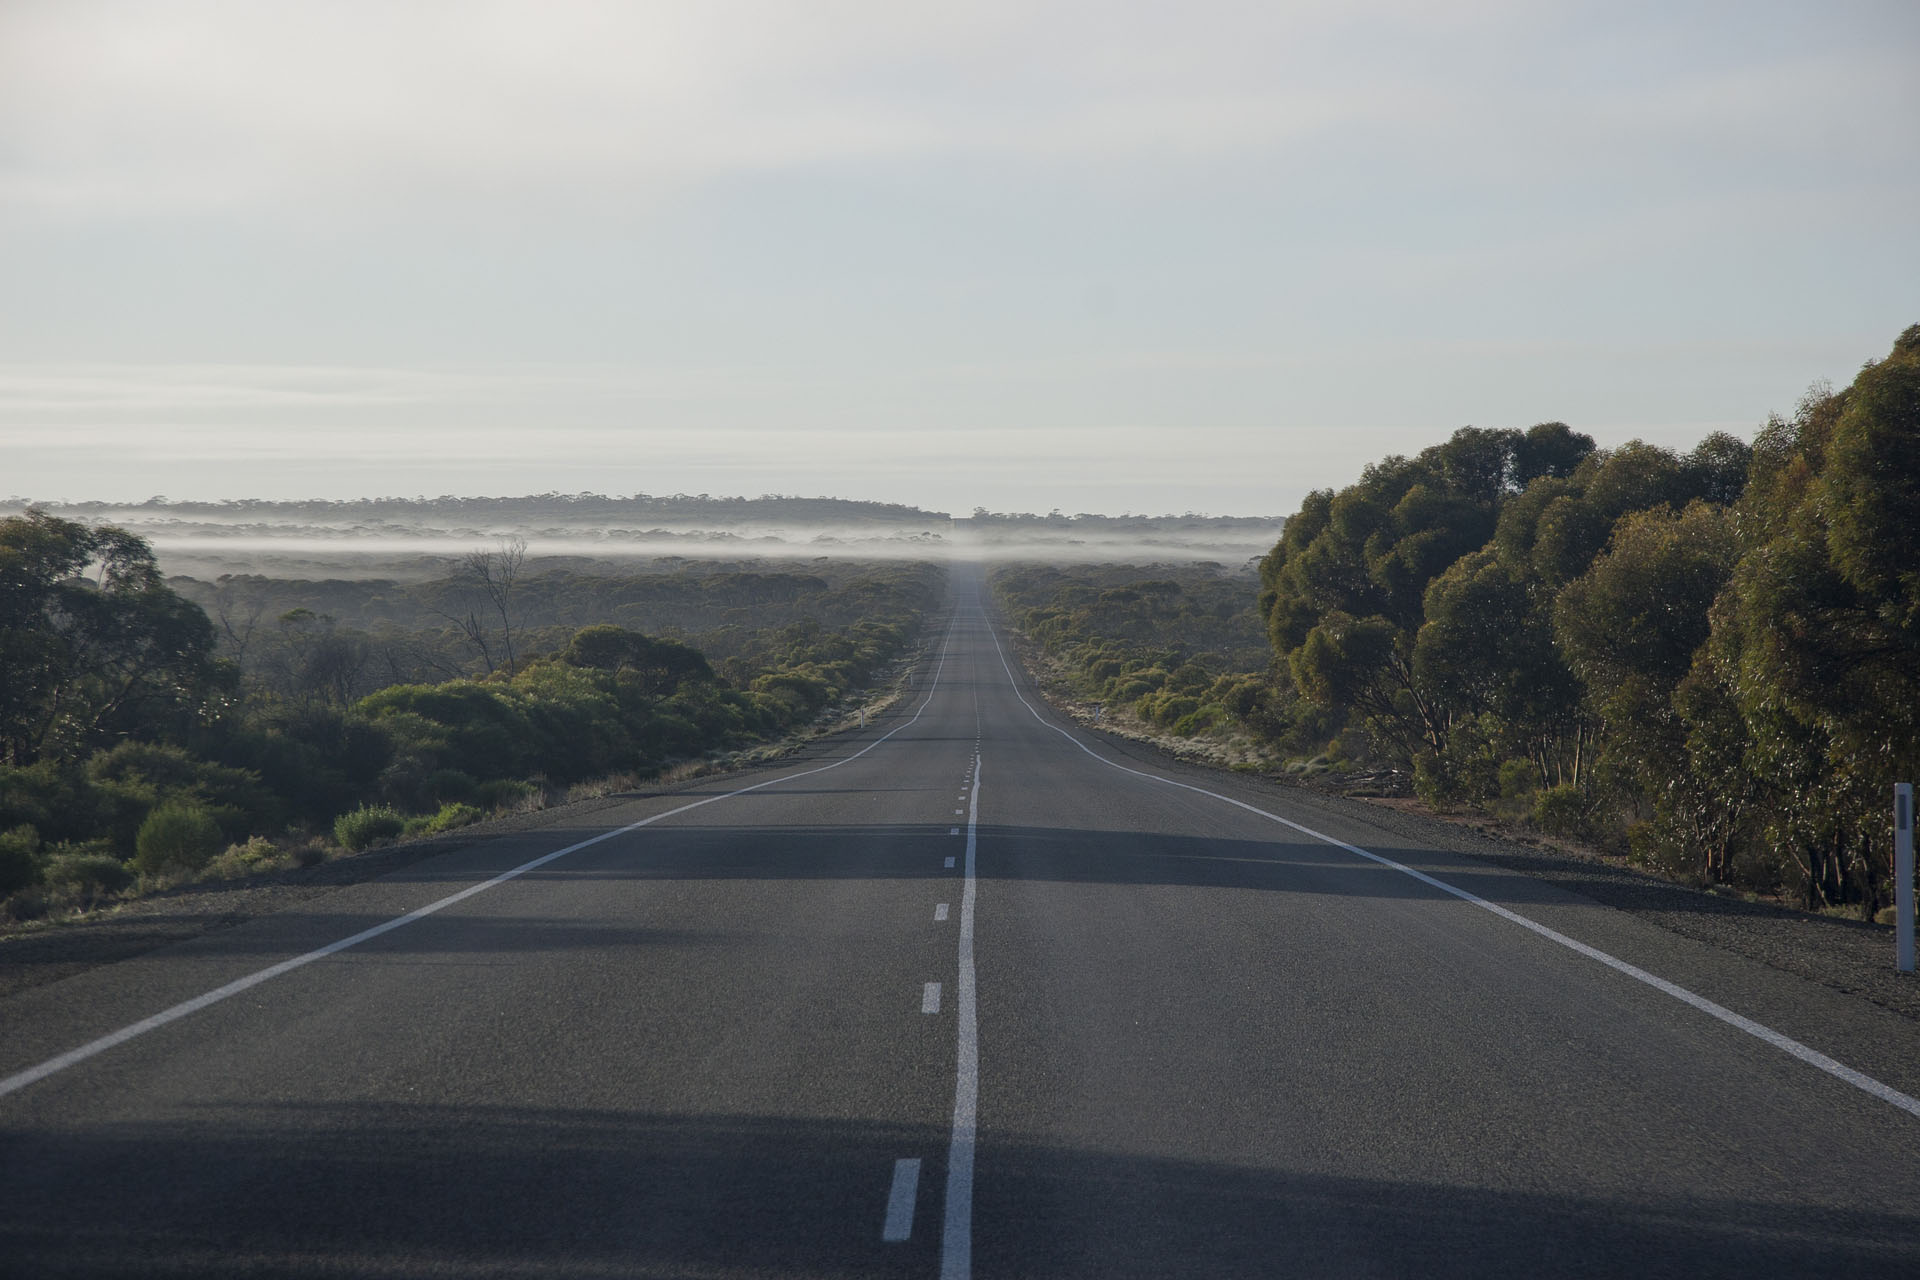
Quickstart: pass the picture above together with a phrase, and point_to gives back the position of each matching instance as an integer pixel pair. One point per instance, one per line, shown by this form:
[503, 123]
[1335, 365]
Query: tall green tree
[94, 644]
[1345, 590]
[1818, 641]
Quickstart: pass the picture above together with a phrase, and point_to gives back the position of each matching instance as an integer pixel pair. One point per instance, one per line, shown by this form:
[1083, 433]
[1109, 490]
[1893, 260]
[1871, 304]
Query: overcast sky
[1103, 257]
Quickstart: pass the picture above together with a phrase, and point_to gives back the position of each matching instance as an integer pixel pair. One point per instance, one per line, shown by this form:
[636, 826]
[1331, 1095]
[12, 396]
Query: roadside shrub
[366, 824]
[176, 836]
[444, 786]
[255, 854]
[1166, 709]
[454, 815]
[19, 868]
[448, 818]
[1564, 811]
[504, 793]
[1199, 721]
[85, 874]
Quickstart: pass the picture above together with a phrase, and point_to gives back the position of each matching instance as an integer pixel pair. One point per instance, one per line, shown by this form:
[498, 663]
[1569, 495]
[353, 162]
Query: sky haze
[1111, 257]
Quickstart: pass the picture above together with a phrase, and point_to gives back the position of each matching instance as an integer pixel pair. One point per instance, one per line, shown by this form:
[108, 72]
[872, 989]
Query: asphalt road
[1172, 1035]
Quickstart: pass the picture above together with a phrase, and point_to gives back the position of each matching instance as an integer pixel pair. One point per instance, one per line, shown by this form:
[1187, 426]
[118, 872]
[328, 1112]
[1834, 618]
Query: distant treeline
[676, 508]
[140, 737]
[1191, 522]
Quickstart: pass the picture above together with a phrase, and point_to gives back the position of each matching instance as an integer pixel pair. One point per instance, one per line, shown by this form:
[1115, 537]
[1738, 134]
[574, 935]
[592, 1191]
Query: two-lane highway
[971, 993]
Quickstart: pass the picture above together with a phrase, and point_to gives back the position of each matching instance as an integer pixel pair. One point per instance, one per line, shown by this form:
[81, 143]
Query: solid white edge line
[31, 1075]
[1786, 1044]
[898, 1224]
[956, 1235]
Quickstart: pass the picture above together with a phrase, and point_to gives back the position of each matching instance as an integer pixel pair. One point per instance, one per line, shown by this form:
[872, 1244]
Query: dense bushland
[1709, 659]
[136, 738]
[1184, 650]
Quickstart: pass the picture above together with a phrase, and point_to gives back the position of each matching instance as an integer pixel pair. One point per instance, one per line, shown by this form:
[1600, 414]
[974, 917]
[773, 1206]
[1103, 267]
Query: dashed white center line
[900, 1200]
[953, 831]
[940, 911]
[949, 862]
[930, 998]
[956, 1232]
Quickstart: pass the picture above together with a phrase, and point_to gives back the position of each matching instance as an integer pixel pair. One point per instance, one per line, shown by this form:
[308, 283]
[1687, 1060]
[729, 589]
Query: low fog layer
[415, 537]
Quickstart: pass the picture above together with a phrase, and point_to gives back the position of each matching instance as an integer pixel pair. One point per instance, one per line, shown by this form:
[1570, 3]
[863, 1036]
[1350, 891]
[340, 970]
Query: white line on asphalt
[930, 998]
[949, 862]
[900, 1197]
[21, 1079]
[956, 1235]
[940, 911]
[1786, 1044]
[953, 831]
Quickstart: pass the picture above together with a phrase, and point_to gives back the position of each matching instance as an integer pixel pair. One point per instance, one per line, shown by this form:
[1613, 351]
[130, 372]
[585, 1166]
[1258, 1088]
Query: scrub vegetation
[145, 739]
[1707, 661]
[1180, 653]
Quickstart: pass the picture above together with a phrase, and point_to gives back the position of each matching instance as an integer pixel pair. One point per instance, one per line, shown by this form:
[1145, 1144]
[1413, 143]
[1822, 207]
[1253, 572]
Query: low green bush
[176, 836]
[1199, 721]
[365, 825]
[19, 868]
[454, 815]
[504, 793]
[444, 786]
[1565, 811]
[254, 854]
[85, 873]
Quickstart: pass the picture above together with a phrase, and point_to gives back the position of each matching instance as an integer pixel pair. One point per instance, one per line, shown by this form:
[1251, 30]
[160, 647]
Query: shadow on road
[401, 1190]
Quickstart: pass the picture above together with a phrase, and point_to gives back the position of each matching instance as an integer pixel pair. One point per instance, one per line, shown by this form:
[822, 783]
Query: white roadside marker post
[1903, 875]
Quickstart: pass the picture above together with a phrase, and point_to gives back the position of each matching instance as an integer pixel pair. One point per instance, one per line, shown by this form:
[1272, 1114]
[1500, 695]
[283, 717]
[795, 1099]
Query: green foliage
[504, 793]
[365, 825]
[450, 817]
[1709, 659]
[448, 786]
[120, 734]
[254, 854]
[84, 875]
[1182, 649]
[454, 815]
[656, 667]
[177, 836]
[19, 865]
[93, 642]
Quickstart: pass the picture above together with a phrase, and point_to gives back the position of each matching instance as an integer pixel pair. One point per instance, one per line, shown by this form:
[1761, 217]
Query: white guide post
[1903, 875]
